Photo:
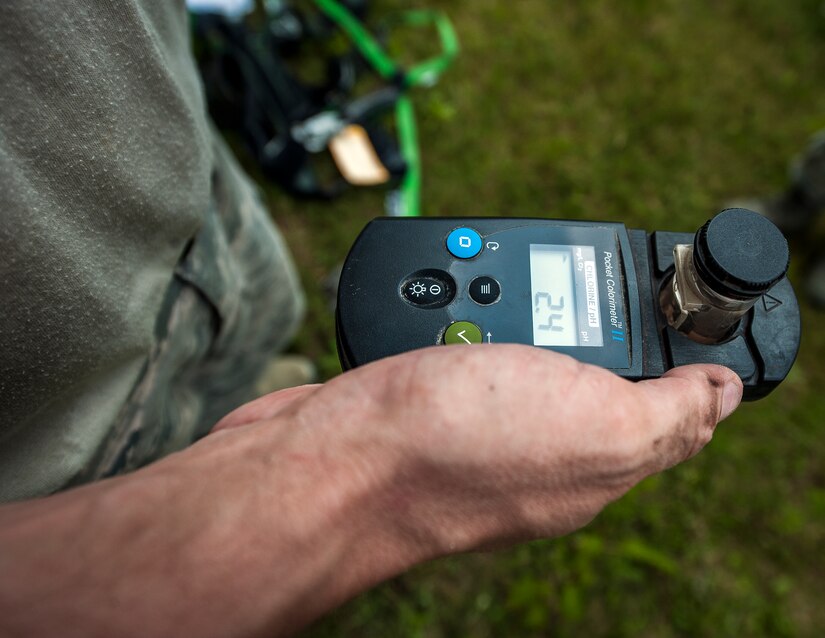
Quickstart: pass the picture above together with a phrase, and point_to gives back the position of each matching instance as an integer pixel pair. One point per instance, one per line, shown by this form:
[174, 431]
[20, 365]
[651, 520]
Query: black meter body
[587, 289]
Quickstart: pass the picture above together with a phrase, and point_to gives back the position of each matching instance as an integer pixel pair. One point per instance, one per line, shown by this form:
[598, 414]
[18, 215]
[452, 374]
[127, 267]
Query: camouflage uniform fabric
[234, 301]
[142, 285]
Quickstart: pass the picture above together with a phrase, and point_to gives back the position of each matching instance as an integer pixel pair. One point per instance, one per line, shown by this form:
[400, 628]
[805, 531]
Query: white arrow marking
[489, 338]
[461, 334]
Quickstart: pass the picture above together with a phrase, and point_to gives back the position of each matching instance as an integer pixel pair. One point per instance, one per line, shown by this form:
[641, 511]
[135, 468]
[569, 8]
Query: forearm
[303, 499]
[253, 531]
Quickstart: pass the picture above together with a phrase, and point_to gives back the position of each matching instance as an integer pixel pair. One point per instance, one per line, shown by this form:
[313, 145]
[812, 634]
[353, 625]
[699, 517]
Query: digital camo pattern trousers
[235, 301]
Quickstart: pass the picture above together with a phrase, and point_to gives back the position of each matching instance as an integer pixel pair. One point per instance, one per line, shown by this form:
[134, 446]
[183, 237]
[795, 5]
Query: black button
[485, 290]
[425, 291]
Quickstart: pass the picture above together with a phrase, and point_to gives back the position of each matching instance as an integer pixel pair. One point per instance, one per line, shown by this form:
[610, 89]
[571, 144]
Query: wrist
[319, 502]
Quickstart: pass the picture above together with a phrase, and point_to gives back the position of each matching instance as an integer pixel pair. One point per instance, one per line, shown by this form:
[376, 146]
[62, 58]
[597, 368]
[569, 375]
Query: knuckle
[706, 411]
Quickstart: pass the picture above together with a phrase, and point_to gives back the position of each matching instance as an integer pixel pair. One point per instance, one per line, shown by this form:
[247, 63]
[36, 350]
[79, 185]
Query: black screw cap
[740, 254]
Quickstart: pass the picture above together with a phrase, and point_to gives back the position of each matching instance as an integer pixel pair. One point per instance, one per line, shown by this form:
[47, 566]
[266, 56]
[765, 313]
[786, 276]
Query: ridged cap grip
[740, 254]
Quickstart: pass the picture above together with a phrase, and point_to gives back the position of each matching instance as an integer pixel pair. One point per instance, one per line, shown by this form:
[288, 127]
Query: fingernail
[731, 396]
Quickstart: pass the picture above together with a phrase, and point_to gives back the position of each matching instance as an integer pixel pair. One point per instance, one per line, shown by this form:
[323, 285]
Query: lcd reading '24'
[565, 296]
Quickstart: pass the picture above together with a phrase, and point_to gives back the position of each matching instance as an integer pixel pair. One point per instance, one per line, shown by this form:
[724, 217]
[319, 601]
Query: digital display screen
[565, 296]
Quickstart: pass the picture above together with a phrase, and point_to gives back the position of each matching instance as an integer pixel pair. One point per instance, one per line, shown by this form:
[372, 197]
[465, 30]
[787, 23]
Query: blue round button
[464, 243]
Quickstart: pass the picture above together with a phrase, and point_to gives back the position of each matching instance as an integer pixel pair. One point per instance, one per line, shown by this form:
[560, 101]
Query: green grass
[653, 113]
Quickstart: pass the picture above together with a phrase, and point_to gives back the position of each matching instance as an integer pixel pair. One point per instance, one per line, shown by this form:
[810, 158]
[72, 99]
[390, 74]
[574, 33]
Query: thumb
[688, 403]
[719, 387]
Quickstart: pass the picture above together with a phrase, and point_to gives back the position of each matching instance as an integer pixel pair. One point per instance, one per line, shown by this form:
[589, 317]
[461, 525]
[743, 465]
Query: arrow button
[462, 333]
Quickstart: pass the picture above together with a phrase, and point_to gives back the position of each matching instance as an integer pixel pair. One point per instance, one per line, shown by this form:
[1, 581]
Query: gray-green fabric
[142, 285]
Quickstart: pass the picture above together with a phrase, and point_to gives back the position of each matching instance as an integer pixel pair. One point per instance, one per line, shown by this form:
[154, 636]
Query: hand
[495, 444]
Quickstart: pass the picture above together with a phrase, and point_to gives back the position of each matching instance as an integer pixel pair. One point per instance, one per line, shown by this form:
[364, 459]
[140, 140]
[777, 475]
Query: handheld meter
[635, 303]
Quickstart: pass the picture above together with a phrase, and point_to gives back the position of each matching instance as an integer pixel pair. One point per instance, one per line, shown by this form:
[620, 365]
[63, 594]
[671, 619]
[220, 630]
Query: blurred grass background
[651, 112]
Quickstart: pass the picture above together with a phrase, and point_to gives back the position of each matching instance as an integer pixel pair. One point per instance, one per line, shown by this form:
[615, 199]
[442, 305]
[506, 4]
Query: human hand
[472, 447]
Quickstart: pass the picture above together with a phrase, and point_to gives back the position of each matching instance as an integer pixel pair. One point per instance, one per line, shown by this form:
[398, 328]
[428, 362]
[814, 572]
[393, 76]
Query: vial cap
[740, 254]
